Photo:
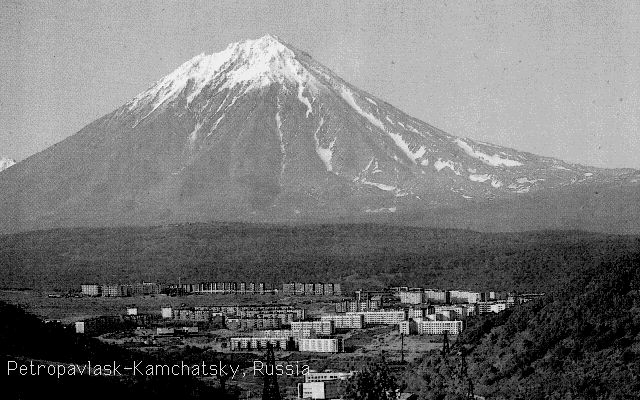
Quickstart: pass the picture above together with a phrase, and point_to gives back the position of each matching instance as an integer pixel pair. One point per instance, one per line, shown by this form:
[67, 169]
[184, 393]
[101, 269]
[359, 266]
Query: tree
[374, 382]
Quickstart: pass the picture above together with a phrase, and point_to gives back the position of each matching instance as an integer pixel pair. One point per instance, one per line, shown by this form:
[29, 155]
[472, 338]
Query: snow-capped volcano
[261, 130]
[6, 163]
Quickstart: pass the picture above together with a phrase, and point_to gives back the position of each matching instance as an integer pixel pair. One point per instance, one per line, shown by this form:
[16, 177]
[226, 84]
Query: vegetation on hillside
[358, 255]
[24, 338]
[581, 341]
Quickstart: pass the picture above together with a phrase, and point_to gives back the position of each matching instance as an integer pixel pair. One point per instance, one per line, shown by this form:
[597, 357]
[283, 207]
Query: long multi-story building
[381, 317]
[463, 296]
[426, 327]
[249, 324]
[354, 305]
[324, 345]
[314, 376]
[311, 289]
[345, 321]
[260, 343]
[320, 328]
[225, 288]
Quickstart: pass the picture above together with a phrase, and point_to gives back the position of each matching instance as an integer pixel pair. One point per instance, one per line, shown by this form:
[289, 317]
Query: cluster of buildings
[422, 295]
[241, 317]
[145, 288]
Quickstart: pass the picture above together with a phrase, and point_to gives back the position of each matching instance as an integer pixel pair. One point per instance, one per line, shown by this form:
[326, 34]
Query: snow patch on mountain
[440, 164]
[479, 177]
[347, 95]
[381, 186]
[493, 160]
[6, 163]
[325, 153]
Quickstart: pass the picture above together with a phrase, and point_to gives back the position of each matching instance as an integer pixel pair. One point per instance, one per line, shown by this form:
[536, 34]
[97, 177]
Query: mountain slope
[261, 131]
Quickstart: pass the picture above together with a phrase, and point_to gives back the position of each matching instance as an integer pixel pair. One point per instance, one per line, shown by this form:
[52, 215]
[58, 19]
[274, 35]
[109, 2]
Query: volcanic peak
[252, 64]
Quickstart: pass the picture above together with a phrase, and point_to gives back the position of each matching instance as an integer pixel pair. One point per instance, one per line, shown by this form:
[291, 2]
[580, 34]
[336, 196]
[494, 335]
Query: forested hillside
[356, 255]
[25, 338]
[580, 342]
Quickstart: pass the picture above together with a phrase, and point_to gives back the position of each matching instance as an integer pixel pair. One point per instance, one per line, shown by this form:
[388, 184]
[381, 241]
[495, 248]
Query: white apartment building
[167, 312]
[463, 296]
[427, 327]
[414, 297]
[331, 345]
[492, 307]
[258, 343]
[381, 317]
[345, 321]
[90, 290]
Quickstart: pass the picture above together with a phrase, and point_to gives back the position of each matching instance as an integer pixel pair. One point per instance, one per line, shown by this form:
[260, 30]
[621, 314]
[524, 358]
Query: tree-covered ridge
[581, 341]
[355, 255]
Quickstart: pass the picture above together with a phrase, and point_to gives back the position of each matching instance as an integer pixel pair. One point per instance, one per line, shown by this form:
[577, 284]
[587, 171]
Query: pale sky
[560, 79]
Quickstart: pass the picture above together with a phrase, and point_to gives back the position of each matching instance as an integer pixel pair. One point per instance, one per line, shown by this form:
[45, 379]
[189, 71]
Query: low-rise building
[320, 390]
[99, 325]
[315, 376]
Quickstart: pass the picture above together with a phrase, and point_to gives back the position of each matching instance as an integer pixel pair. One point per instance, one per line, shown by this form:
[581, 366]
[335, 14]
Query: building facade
[325, 345]
[345, 321]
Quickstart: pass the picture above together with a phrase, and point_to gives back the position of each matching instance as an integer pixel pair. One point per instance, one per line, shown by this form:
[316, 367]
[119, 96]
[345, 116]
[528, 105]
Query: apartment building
[325, 345]
[381, 317]
[412, 297]
[321, 328]
[260, 343]
[91, 290]
[426, 327]
[315, 376]
[345, 321]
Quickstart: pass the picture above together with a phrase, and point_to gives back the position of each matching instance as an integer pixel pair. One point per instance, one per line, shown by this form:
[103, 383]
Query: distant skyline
[559, 79]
